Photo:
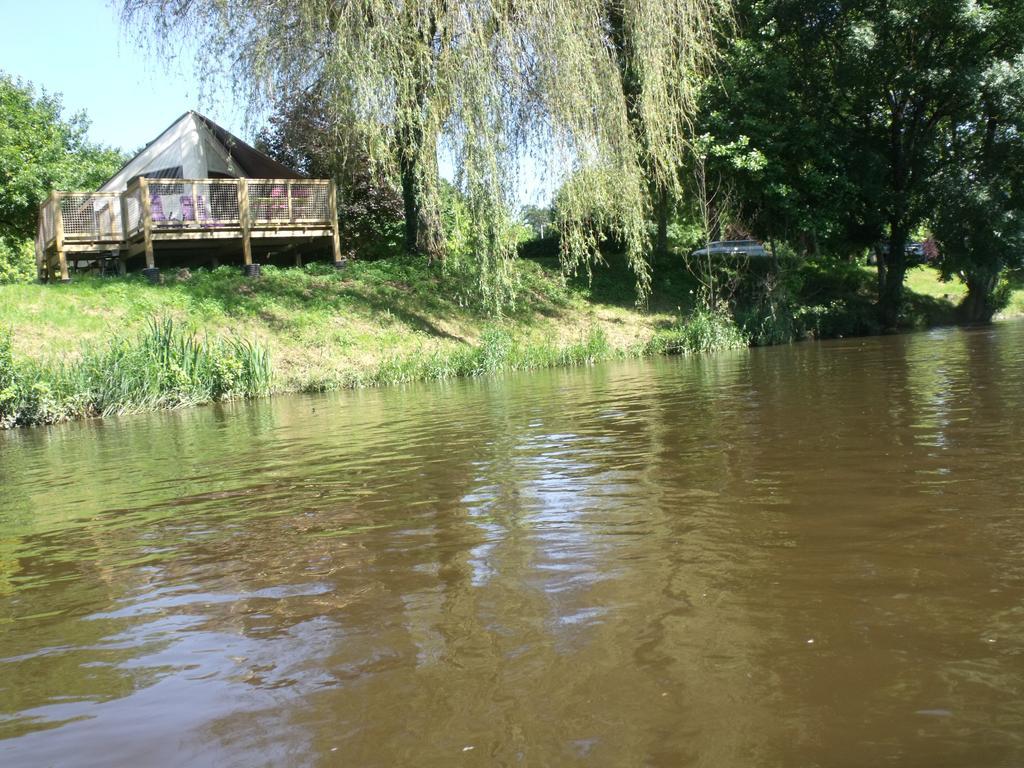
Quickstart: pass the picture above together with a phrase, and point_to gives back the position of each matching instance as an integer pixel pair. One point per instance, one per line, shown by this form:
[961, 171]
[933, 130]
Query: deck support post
[332, 198]
[58, 227]
[298, 260]
[124, 217]
[245, 219]
[147, 223]
[40, 247]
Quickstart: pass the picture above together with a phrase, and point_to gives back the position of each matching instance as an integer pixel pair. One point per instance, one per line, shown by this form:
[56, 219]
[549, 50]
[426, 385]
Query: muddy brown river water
[800, 556]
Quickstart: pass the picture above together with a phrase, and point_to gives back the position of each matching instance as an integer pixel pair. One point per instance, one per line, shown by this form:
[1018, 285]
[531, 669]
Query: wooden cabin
[196, 195]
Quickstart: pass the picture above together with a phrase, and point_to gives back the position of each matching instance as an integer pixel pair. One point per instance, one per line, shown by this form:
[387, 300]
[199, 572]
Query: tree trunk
[410, 203]
[892, 268]
[980, 303]
[430, 234]
[661, 213]
[424, 232]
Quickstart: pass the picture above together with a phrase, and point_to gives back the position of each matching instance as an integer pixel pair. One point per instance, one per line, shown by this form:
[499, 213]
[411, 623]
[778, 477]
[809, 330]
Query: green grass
[923, 281]
[703, 331]
[926, 281]
[91, 347]
[162, 367]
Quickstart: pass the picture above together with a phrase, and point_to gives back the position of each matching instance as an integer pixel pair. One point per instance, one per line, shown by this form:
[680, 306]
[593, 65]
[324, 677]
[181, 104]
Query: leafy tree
[852, 103]
[17, 260]
[489, 80]
[302, 136]
[536, 218]
[979, 220]
[40, 151]
[774, 136]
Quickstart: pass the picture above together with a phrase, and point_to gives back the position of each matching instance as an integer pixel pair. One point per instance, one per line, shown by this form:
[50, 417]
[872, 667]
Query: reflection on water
[796, 556]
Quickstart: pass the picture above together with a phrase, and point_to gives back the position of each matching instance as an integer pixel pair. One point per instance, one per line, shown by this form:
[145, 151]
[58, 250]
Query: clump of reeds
[705, 330]
[498, 350]
[164, 366]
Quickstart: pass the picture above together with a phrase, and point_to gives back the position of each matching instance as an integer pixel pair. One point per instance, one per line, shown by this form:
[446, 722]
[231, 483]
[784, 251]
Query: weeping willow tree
[600, 91]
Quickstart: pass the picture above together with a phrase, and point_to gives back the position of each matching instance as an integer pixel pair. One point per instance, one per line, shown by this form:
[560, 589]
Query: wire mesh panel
[286, 201]
[108, 217]
[310, 201]
[91, 216]
[268, 200]
[165, 202]
[215, 202]
[188, 204]
[49, 222]
[133, 211]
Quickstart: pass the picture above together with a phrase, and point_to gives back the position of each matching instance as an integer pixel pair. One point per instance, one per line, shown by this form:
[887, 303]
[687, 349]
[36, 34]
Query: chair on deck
[278, 202]
[204, 213]
[156, 208]
[302, 203]
[188, 211]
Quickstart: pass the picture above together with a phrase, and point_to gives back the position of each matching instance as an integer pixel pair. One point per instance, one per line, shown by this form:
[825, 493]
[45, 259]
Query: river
[800, 556]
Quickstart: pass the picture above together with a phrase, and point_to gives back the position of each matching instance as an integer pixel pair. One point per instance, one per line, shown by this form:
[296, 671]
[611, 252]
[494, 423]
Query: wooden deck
[152, 211]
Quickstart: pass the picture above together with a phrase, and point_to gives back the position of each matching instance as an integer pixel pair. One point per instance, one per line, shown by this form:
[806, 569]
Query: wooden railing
[152, 207]
[81, 216]
[185, 205]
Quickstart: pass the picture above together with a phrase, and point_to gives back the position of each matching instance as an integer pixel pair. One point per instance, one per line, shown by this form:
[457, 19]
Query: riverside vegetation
[116, 345]
[826, 131]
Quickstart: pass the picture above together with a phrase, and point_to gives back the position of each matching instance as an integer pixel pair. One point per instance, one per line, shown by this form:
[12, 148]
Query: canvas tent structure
[196, 194]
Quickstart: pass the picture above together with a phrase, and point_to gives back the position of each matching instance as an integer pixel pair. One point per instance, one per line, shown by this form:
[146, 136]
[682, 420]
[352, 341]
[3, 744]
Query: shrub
[163, 367]
[705, 330]
[17, 260]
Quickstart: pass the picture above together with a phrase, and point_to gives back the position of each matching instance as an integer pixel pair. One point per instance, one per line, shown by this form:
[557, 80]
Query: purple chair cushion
[156, 207]
[188, 211]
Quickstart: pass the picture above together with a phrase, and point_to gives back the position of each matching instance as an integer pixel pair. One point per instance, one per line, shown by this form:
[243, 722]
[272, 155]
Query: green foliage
[979, 217]
[854, 106]
[40, 151]
[301, 135]
[499, 350]
[610, 88]
[164, 367]
[17, 260]
[706, 329]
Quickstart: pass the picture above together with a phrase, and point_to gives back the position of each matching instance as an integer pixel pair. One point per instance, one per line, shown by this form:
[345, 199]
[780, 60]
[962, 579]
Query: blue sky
[80, 50]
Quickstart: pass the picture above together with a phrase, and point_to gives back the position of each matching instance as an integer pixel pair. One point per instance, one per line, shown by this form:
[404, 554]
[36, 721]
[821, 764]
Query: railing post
[123, 197]
[332, 199]
[147, 222]
[245, 219]
[41, 242]
[58, 228]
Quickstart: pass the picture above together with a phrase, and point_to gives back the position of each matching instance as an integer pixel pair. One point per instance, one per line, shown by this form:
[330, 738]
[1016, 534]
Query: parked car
[923, 252]
[743, 248]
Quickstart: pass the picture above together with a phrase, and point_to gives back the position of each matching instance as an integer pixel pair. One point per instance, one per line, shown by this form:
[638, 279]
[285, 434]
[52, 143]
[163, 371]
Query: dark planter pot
[152, 274]
[251, 270]
[341, 264]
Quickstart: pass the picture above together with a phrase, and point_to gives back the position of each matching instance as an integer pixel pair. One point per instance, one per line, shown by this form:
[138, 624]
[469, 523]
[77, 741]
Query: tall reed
[497, 350]
[164, 366]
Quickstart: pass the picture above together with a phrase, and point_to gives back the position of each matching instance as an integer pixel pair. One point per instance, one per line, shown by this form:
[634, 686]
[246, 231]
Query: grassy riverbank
[114, 345]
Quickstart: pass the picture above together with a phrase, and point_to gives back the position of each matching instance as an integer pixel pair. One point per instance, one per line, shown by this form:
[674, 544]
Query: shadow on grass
[614, 283]
[404, 289]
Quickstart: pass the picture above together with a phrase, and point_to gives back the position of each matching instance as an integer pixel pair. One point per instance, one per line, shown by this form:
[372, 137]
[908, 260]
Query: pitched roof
[194, 145]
